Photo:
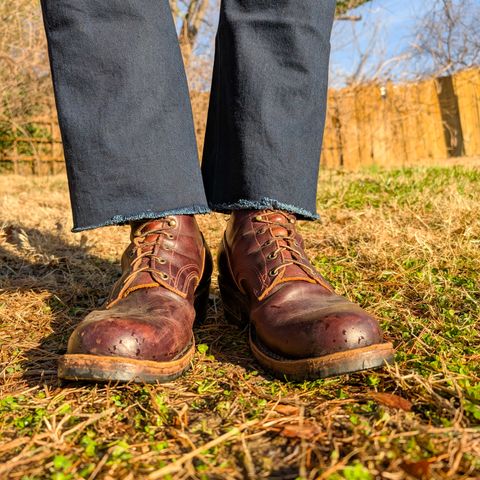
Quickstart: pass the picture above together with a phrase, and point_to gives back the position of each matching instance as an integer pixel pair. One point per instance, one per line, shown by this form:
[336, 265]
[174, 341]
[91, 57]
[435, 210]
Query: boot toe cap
[316, 334]
[129, 337]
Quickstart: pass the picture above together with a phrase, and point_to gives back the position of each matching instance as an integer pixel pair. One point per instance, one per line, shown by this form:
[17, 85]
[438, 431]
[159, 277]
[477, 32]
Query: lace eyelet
[273, 272]
[272, 256]
[172, 223]
[170, 236]
[162, 261]
[164, 276]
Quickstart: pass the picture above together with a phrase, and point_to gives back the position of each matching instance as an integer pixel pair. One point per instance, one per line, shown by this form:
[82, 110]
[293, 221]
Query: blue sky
[387, 29]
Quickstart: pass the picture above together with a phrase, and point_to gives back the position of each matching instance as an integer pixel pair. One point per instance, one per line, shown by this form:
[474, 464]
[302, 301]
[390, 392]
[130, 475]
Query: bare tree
[192, 15]
[447, 37]
[371, 62]
[343, 7]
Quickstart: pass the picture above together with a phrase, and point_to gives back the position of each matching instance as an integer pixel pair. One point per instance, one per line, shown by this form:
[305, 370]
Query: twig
[177, 464]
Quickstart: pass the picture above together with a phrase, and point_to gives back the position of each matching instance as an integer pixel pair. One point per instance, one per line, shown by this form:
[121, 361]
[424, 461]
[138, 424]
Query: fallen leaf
[420, 469]
[287, 410]
[83, 241]
[306, 431]
[11, 233]
[392, 401]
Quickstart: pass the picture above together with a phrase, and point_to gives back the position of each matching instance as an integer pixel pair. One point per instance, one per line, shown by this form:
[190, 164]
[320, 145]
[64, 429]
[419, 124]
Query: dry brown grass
[404, 244]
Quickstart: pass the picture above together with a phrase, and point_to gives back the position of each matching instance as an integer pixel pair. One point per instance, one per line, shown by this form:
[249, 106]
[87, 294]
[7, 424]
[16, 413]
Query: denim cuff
[263, 203]
[147, 214]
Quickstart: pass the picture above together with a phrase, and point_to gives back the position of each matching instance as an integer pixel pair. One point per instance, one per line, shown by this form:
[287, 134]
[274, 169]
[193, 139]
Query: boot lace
[286, 243]
[146, 250]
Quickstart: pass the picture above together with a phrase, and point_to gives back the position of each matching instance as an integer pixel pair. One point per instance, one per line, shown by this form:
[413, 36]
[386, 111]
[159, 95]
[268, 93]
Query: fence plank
[467, 89]
[349, 130]
[331, 140]
[395, 129]
[378, 127]
[365, 98]
[433, 122]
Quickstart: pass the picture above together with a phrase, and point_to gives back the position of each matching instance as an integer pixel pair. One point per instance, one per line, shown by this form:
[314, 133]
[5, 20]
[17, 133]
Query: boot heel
[202, 293]
[201, 303]
[232, 307]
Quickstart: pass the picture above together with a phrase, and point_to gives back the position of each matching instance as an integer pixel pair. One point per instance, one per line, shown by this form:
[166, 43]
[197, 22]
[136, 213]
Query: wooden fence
[386, 125]
[397, 125]
[32, 145]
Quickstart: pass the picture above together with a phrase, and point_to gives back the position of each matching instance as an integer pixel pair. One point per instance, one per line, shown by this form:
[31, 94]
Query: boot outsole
[339, 363]
[100, 368]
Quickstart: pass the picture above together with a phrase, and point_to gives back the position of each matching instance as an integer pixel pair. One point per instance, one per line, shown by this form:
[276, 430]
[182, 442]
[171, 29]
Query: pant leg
[124, 110]
[268, 103]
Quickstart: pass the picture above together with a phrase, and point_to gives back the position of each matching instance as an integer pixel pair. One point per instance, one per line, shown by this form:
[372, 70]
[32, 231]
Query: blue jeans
[125, 114]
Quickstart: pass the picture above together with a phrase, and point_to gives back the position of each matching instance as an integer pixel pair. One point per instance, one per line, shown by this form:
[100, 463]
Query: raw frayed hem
[263, 203]
[123, 219]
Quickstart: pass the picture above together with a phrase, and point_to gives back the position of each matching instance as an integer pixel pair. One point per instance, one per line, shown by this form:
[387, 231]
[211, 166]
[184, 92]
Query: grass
[405, 244]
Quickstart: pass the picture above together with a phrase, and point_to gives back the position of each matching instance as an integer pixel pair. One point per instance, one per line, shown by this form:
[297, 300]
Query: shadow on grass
[74, 279]
[76, 282]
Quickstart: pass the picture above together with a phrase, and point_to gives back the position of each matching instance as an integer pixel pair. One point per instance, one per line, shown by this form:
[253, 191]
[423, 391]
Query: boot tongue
[141, 227]
[278, 230]
[276, 216]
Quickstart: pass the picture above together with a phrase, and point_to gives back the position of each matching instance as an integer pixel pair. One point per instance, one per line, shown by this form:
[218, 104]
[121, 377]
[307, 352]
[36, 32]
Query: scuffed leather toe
[143, 326]
[306, 328]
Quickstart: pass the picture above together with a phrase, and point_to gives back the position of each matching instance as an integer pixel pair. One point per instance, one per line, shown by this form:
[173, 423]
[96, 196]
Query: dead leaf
[420, 470]
[11, 233]
[307, 431]
[83, 241]
[287, 410]
[392, 401]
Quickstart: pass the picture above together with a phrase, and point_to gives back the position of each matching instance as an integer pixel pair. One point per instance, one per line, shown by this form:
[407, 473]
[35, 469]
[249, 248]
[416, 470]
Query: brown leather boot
[143, 333]
[299, 327]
